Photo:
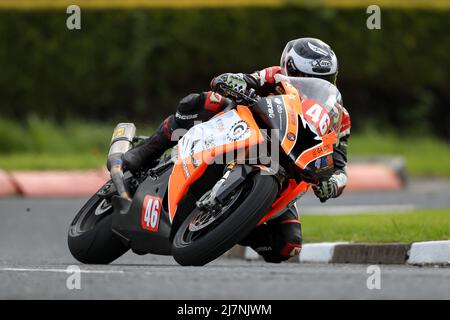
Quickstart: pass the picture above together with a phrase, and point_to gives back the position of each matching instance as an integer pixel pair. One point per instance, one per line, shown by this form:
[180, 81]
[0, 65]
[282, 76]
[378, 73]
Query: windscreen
[319, 90]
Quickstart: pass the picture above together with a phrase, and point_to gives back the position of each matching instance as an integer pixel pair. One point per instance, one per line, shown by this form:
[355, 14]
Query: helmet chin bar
[291, 69]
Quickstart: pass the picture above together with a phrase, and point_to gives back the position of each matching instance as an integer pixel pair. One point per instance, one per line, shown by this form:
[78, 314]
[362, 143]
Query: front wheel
[91, 239]
[204, 236]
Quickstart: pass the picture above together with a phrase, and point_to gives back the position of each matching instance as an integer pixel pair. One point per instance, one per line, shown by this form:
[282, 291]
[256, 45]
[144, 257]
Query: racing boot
[278, 239]
[146, 154]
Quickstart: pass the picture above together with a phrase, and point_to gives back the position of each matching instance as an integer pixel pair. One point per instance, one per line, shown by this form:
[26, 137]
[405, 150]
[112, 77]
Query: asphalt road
[418, 194]
[153, 278]
[34, 259]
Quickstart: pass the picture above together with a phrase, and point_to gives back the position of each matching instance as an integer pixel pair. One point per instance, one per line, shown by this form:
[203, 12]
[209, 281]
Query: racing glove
[226, 83]
[331, 188]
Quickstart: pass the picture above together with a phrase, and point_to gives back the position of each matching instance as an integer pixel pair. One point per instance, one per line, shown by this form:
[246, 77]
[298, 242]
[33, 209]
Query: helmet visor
[292, 71]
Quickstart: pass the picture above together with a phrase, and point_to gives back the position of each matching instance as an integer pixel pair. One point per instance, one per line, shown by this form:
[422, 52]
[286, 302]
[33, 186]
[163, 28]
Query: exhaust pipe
[121, 142]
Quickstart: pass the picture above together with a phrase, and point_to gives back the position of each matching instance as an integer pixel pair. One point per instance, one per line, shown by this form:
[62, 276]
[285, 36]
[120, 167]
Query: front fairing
[291, 117]
[219, 131]
[204, 144]
[321, 91]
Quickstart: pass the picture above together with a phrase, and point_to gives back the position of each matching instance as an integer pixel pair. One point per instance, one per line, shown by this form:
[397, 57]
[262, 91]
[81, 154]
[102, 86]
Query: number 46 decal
[318, 115]
[151, 211]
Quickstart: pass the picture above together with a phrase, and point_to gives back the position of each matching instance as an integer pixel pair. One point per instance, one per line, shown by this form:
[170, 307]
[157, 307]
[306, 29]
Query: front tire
[90, 237]
[254, 199]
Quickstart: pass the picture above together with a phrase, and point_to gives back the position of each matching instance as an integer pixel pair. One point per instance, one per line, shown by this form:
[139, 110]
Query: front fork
[233, 177]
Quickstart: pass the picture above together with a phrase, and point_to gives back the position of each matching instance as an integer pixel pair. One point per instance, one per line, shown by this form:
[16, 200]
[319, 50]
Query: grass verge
[418, 225]
[40, 144]
[424, 156]
[27, 161]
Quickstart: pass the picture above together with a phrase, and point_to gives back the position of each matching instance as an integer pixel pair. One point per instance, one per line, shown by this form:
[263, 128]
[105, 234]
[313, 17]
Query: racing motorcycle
[212, 190]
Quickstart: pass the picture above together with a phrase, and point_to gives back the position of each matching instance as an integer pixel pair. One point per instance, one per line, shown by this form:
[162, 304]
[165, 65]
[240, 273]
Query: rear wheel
[90, 238]
[204, 236]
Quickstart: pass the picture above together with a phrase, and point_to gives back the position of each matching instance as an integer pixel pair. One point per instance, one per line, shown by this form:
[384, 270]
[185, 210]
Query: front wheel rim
[192, 234]
[204, 218]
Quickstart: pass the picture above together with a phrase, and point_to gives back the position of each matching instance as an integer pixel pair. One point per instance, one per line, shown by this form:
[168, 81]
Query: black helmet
[309, 57]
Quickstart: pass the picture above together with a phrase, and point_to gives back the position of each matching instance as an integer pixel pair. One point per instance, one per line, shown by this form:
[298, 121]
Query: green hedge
[136, 64]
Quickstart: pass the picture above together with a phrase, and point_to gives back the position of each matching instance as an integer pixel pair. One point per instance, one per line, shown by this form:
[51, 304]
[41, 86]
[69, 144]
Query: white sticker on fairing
[218, 131]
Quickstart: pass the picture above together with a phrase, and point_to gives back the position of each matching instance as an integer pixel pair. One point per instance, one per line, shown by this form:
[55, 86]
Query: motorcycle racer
[281, 238]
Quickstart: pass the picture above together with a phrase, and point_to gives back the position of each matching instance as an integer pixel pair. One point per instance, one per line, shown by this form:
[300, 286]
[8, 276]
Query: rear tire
[90, 237]
[255, 202]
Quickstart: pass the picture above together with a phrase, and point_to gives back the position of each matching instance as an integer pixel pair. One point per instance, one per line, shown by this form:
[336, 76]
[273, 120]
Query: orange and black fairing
[233, 130]
[303, 127]
[305, 118]
[305, 135]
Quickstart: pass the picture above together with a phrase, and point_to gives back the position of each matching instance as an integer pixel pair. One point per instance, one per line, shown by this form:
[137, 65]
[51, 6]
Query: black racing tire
[252, 205]
[90, 237]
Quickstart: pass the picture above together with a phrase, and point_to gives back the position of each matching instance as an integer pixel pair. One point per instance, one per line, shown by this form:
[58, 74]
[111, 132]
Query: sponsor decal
[119, 132]
[279, 108]
[215, 97]
[151, 212]
[186, 116]
[279, 89]
[279, 104]
[317, 49]
[270, 108]
[318, 163]
[290, 136]
[209, 142]
[263, 249]
[185, 169]
[321, 63]
[238, 130]
[325, 64]
[291, 115]
[322, 149]
[220, 125]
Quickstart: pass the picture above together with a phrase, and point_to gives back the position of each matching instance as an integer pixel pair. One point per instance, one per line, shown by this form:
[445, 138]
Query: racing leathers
[278, 239]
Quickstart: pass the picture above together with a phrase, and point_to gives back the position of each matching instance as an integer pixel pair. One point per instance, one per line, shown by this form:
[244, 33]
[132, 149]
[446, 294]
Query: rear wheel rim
[103, 207]
[91, 215]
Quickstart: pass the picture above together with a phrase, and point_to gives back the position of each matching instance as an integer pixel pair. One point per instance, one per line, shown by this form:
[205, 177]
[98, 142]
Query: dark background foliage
[136, 64]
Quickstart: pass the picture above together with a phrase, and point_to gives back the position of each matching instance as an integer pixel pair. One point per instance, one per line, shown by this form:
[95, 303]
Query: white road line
[58, 270]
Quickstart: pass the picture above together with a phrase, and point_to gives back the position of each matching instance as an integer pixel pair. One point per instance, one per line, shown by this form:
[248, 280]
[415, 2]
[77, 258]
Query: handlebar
[249, 98]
